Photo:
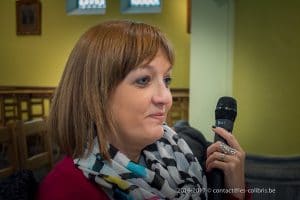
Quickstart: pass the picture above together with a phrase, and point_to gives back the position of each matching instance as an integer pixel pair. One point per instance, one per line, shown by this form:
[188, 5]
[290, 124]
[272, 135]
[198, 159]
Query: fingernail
[213, 126]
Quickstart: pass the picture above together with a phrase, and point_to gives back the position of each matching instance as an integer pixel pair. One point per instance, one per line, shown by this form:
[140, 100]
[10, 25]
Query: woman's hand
[230, 159]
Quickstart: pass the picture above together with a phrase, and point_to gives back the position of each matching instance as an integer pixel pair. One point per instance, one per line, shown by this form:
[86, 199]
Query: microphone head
[226, 108]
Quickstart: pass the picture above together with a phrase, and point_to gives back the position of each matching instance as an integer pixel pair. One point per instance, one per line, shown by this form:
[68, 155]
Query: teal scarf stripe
[137, 169]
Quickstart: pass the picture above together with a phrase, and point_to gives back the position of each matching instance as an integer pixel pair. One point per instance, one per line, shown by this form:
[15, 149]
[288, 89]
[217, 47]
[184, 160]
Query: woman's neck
[132, 156]
[131, 151]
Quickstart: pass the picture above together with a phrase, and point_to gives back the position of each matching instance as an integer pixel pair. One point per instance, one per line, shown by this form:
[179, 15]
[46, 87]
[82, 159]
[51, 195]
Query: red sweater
[66, 182]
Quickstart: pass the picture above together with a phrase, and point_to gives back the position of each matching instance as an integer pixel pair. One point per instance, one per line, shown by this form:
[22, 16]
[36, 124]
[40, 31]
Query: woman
[108, 115]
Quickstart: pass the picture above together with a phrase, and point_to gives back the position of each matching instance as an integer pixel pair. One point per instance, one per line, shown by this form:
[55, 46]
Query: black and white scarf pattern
[170, 171]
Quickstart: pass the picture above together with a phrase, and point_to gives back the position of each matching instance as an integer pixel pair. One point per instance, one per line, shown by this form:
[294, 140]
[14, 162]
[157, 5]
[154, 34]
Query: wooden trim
[180, 107]
[15, 97]
[189, 12]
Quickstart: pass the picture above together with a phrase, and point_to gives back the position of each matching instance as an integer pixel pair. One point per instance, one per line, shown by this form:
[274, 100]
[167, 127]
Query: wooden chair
[9, 162]
[35, 148]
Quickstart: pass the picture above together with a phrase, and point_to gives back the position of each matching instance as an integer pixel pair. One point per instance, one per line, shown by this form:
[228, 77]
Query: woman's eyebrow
[151, 68]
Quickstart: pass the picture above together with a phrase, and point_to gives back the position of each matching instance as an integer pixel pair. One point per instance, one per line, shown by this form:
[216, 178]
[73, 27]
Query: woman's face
[140, 103]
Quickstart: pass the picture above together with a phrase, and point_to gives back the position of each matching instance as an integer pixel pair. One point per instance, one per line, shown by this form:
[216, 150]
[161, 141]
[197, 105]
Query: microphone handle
[217, 176]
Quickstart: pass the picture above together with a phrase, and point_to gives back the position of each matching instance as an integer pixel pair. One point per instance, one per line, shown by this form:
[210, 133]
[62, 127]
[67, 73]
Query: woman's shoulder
[64, 171]
[65, 181]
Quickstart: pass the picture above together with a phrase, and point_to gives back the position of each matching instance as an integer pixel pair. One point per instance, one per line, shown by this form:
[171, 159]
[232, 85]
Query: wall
[266, 76]
[211, 60]
[257, 63]
[39, 60]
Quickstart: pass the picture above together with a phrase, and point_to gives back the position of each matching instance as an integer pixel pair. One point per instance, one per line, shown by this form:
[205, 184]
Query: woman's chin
[155, 133]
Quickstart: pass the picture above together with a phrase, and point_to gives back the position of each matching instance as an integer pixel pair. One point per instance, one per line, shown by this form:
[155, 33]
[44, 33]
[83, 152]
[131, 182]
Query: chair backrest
[270, 177]
[9, 162]
[34, 144]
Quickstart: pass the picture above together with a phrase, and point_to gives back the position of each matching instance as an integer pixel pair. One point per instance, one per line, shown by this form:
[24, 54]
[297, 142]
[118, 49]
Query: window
[85, 7]
[141, 6]
[146, 3]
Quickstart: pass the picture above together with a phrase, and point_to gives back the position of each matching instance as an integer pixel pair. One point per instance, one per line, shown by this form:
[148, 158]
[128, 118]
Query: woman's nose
[162, 95]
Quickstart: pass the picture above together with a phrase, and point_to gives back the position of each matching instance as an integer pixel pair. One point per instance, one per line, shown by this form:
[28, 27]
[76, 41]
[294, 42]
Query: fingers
[230, 139]
[227, 149]
[223, 148]
[222, 161]
[214, 151]
[222, 156]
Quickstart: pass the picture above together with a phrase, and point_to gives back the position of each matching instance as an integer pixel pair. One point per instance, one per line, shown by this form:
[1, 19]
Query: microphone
[225, 114]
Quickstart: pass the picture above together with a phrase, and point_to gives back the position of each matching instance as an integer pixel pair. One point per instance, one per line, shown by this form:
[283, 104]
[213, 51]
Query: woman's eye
[143, 81]
[167, 81]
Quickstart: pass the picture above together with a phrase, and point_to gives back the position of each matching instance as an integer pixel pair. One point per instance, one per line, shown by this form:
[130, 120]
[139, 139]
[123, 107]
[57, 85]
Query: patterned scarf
[167, 170]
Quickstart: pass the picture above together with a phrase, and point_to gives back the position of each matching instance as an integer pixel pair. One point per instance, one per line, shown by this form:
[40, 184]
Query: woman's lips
[158, 116]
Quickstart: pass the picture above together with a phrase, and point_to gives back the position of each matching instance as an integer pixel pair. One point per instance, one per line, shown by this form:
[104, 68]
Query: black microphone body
[225, 115]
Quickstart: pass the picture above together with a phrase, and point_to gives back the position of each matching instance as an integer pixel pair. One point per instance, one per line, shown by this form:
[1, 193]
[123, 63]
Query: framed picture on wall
[28, 16]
